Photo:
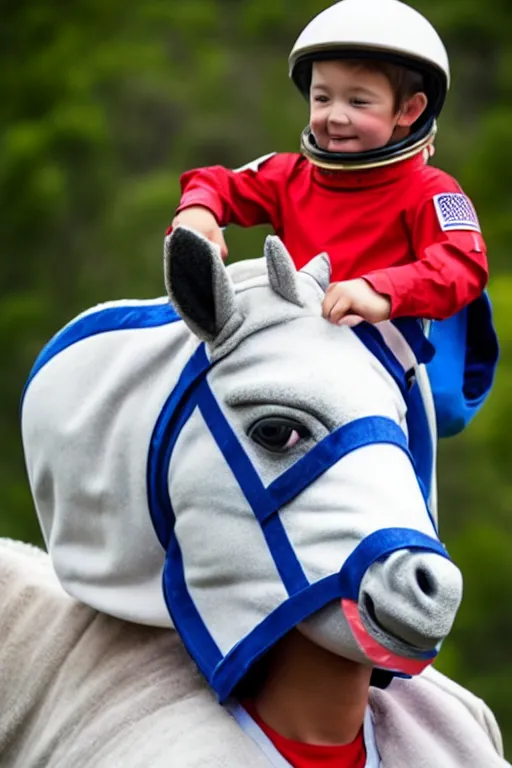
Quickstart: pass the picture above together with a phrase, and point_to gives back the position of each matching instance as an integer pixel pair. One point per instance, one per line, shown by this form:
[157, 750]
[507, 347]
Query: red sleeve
[451, 267]
[246, 197]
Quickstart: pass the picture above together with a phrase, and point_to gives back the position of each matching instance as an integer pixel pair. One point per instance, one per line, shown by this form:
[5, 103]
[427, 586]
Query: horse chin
[395, 645]
[330, 629]
[345, 630]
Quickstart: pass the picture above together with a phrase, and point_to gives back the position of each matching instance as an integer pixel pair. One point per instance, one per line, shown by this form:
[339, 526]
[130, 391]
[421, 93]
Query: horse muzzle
[407, 605]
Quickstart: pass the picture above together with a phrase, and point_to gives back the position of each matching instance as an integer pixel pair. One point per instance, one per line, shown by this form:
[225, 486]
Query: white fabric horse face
[276, 473]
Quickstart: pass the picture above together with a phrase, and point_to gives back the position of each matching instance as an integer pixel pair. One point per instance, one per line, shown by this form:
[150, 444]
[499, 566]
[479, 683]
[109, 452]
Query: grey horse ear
[282, 274]
[319, 268]
[198, 285]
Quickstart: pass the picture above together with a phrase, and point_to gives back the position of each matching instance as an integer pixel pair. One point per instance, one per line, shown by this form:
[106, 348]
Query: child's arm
[351, 301]
[247, 196]
[451, 267]
[203, 221]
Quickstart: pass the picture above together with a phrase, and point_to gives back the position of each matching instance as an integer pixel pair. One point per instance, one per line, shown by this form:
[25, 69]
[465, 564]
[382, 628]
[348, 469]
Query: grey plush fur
[90, 414]
[319, 269]
[82, 689]
[196, 262]
[79, 688]
[282, 274]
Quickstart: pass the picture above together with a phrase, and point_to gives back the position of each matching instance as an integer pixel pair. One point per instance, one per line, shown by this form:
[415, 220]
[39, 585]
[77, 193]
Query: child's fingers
[334, 296]
[338, 310]
[351, 320]
[328, 304]
[330, 298]
[218, 238]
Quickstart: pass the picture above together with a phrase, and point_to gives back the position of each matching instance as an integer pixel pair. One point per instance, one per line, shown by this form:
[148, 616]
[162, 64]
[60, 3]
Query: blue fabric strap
[184, 614]
[282, 552]
[191, 391]
[356, 434]
[302, 605]
[266, 502]
[420, 438]
[377, 546]
[412, 331]
[105, 320]
[371, 337]
[174, 414]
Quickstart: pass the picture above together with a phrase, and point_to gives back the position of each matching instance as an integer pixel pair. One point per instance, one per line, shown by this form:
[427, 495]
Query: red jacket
[406, 228]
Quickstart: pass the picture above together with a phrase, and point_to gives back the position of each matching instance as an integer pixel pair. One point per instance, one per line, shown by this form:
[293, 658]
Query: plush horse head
[275, 456]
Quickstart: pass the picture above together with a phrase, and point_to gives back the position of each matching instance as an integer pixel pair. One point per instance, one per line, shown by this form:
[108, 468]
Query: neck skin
[311, 695]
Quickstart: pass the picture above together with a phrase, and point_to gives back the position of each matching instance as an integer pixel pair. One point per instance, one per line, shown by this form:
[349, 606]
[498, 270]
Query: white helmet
[387, 30]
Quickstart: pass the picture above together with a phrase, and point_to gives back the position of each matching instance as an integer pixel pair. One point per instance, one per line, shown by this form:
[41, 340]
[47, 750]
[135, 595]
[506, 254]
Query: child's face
[352, 109]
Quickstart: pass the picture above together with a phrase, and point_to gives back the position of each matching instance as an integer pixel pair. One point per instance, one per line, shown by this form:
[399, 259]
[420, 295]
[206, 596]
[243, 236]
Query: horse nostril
[425, 582]
[369, 607]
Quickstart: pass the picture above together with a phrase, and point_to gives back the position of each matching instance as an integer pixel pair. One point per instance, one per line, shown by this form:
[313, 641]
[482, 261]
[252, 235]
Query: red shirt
[381, 224]
[301, 755]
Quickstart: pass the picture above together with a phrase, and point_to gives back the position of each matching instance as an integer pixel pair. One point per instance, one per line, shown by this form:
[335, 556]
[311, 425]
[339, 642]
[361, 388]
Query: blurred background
[104, 104]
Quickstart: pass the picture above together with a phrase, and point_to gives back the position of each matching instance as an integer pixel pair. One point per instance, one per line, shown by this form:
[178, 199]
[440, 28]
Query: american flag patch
[455, 211]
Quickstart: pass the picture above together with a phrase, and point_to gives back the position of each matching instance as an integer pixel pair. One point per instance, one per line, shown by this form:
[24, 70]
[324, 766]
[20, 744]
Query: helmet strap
[414, 144]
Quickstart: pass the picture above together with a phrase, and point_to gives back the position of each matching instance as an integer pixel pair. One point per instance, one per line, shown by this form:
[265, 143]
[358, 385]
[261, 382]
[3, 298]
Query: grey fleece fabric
[79, 688]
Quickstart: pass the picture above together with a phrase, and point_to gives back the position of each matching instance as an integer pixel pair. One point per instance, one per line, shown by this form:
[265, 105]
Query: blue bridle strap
[378, 546]
[193, 391]
[174, 414]
[359, 433]
[285, 559]
[265, 502]
[419, 434]
[371, 337]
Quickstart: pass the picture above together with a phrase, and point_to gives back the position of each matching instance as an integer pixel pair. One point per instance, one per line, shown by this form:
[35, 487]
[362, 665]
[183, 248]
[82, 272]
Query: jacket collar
[367, 178]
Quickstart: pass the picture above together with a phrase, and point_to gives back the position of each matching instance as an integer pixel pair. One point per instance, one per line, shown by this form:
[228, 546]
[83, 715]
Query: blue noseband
[193, 391]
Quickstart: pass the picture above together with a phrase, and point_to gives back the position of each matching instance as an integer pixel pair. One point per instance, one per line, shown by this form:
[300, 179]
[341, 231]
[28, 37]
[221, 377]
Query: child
[402, 237]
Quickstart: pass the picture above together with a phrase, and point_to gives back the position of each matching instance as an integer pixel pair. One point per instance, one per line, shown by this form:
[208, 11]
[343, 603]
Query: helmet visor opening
[434, 79]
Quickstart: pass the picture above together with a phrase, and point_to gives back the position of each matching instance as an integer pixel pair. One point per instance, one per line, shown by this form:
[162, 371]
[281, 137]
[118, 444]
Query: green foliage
[104, 106]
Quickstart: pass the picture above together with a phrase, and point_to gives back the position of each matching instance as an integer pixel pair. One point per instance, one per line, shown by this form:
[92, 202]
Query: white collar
[252, 729]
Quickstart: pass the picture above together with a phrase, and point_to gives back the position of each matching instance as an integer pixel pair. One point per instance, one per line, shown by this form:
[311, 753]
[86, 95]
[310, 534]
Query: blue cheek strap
[193, 391]
[304, 597]
[324, 455]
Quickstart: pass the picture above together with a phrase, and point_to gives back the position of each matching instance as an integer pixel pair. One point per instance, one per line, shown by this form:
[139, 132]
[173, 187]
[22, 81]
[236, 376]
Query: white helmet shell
[386, 27]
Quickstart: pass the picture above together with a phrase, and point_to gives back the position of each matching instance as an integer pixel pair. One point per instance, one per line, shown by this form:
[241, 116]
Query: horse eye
[278, 434]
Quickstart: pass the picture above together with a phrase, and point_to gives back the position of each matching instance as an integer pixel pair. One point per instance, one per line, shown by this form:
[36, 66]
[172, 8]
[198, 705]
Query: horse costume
[270, 471]
[80, 688]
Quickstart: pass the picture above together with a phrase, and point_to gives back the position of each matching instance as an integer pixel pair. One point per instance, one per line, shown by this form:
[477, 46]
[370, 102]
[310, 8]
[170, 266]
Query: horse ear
[197, 283]
[319, 268]
[282, 274]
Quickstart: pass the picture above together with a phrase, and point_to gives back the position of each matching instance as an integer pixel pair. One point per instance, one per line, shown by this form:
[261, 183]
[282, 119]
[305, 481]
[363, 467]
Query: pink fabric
[380, 656]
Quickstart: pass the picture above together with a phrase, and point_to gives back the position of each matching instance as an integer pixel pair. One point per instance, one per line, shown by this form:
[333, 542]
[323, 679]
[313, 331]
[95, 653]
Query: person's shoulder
[444, 698]
[433, 187]
[24, 564]
[288, 160]
[278, 171]
[28, 584]
[474, 704]
[433, 181]
[277, 161]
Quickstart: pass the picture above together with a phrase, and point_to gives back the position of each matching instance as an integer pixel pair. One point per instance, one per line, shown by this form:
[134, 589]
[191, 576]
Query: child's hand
[352, 301]
[203, 221]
